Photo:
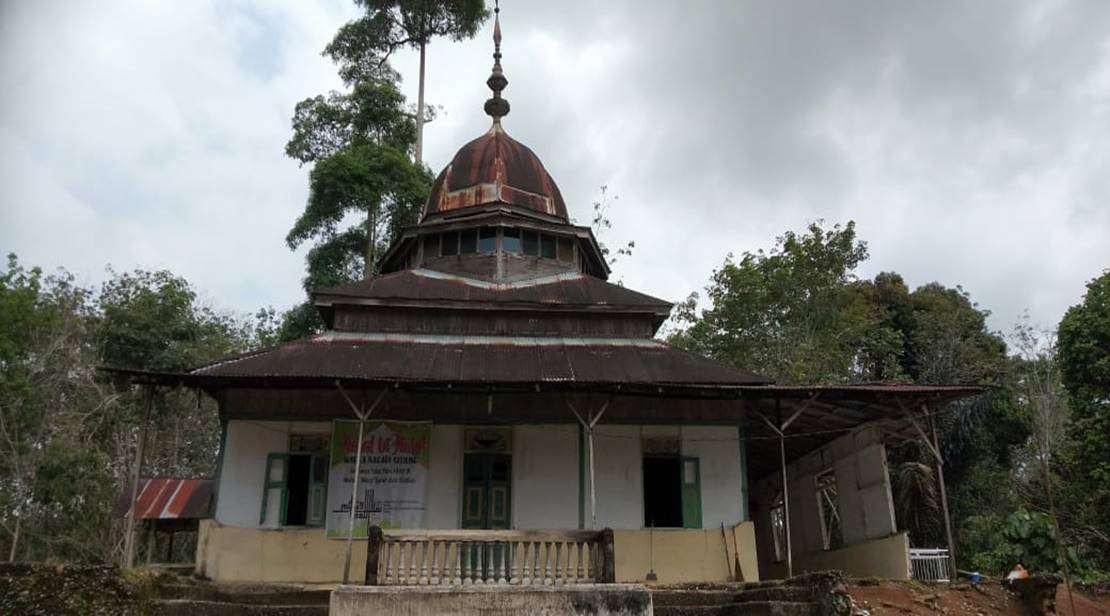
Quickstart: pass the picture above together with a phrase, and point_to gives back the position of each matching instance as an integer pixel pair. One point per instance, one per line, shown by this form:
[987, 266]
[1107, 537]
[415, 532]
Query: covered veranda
[776, 426]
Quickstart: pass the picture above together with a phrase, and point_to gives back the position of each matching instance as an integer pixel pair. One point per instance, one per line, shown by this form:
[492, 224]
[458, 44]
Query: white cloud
[966, 140]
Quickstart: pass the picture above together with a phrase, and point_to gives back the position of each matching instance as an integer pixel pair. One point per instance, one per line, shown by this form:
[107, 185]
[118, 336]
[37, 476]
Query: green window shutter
[318, 491]
[474, 491]
[691, 493]
[274, 484]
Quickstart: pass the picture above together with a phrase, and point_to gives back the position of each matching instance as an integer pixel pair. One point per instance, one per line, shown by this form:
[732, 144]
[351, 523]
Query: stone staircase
[817, 594]
[193, 598]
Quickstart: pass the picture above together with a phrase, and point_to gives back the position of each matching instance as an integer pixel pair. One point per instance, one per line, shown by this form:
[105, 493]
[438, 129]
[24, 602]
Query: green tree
[1084, 355]
[362, 47]
[801, 314]
[68, 437]
[47, 393]
[362, 187]
[795, 313]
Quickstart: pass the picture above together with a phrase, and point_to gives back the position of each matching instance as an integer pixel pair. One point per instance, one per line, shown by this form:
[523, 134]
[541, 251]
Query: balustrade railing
[515, 557]
[929, 564]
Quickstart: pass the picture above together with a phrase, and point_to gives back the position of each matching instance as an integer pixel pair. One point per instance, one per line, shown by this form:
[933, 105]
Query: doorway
[487, 498]
[672, 492]
[662, 493]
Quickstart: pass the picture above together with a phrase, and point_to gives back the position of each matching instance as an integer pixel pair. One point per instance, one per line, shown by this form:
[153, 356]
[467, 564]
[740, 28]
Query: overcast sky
[970, 141]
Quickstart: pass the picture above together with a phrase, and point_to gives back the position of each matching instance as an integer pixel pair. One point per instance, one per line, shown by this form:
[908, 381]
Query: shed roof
[168, 498]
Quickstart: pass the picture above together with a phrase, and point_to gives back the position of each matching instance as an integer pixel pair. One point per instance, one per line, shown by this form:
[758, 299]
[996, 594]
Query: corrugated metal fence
[930, 565]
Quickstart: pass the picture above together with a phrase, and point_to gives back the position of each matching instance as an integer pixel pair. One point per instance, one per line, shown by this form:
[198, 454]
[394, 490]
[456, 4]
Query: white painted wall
[545, 473]
[545, 476]
[618, 470]
[239, 500]
[445, 477]
[718, 449]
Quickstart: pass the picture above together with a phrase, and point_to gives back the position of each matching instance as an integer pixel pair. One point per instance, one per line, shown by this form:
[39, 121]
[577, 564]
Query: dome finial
[496, 106]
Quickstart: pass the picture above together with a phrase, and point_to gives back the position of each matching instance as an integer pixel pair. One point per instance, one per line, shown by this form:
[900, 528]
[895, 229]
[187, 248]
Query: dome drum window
[506, 240]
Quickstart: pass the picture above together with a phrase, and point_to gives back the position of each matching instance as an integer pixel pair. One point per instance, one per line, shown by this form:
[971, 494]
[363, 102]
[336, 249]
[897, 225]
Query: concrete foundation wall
[229, 554]
[298, 554]
[680, 555]
[886, 558]
[594, 600]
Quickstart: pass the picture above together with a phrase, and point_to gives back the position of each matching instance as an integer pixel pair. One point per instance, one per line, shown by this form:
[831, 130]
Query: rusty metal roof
[857, 389]
[495, 168]
[405, 358]
[567, 290]
[168, 498]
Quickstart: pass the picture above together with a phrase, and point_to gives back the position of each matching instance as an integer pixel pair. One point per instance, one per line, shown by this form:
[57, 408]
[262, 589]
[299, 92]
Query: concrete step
[776, 593]
[749, 608]
[188, 607]
[671, 596]
[269, 595]
[676, 597]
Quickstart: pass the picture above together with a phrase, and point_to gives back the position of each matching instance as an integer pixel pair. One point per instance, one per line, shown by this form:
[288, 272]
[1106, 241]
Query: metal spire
[496, 106]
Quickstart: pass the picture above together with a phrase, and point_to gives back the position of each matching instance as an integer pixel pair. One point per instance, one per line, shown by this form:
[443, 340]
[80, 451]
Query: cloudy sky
[970, 141]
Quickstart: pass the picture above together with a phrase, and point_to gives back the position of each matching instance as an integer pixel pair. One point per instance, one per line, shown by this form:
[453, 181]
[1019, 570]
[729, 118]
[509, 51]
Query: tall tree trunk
[15, 539]
[371, 240]
[420, 110]
[176, 443]
[129, 538]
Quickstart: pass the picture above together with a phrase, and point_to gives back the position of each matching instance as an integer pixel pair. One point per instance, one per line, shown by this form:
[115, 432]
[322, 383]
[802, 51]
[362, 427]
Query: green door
[318, 490]
[691, 492]
[486, 490]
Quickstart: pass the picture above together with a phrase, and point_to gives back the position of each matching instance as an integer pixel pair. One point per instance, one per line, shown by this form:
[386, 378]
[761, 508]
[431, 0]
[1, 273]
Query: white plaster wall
[718, 449]
[545, 473]
[244, 469]
[619, 474]
[545, 476]
[239, 500]
[445, 477]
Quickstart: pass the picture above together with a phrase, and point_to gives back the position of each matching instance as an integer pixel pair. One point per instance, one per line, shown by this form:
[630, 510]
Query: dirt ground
[989, 598]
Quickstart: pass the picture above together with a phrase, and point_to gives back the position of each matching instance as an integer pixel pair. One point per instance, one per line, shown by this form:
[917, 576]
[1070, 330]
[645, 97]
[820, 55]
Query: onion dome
[495, 169]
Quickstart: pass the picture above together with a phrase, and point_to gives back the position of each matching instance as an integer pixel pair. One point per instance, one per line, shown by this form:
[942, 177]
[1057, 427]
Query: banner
[393, 476]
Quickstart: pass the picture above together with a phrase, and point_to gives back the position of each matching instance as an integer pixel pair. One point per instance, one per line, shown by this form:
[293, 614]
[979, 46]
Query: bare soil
[882, 597]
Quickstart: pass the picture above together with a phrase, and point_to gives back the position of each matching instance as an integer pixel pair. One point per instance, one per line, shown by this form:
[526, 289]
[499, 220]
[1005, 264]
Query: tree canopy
[363, 186]
[1084, 356]
[67, 434]
[364, 45]
[801, 313]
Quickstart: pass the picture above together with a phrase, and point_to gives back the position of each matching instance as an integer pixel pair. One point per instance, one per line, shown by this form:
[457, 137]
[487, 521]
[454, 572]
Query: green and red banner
[393, 475]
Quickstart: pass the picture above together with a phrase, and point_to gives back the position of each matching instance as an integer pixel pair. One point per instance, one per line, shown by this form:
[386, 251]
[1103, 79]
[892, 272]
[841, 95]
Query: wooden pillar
[363, 413]
[593, 484]
[129, 532]
[785, 493]
[374, 541]
[588, 424]
[943, 495]
[354, 503]
[151, 541]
